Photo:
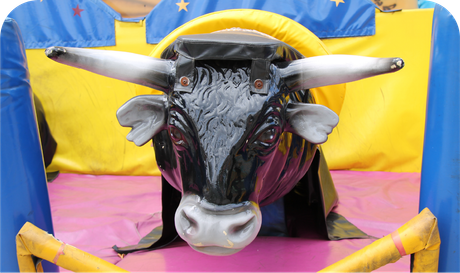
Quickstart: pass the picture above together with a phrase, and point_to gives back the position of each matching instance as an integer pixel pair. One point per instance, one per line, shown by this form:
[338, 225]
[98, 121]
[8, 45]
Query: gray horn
[130, 67]
[335, 69]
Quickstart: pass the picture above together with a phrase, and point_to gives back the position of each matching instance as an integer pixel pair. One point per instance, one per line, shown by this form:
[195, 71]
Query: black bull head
[236, 126]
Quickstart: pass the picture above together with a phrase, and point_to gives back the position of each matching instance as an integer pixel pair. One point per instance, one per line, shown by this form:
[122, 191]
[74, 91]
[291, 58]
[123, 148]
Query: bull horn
[335, 69]
[130, 67]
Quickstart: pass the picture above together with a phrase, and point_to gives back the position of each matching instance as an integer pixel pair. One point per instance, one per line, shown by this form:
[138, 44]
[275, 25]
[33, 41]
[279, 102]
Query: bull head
[234, 126]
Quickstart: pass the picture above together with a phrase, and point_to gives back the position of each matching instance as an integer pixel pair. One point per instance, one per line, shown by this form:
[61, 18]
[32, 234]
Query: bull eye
[184, 81]
[176, 135]
[258, 84]
[268, 137]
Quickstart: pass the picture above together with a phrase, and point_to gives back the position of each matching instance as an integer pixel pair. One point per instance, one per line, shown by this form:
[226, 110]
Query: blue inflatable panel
[440, 188]
[90, 23]
[326, 19]
[424, 4]
[24, 192]
[71, 23]
[273, 220]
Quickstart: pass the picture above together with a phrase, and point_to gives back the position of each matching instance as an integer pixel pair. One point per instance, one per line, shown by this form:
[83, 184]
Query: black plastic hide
[291, 166]
[47, 140]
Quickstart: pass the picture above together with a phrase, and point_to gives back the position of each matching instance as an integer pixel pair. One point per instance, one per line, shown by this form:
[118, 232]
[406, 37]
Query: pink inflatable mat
[93, 213]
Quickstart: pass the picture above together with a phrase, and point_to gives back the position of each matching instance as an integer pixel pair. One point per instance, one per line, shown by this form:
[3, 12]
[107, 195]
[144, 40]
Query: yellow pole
[32, 241]
[419, 236]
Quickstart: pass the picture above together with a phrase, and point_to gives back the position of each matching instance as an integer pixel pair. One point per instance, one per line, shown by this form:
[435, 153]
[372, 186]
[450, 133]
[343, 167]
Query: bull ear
[145, 115]
[312, 122]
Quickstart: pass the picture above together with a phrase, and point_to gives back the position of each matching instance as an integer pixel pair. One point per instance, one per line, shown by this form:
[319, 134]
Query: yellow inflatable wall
[80, 108]
[381, 119]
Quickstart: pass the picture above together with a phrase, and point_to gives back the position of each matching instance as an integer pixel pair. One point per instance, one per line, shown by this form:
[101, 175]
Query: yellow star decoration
[183, 5]
[337, 2]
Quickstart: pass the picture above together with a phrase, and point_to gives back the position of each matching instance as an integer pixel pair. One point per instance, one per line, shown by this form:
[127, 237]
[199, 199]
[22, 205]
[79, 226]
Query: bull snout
[217, 230]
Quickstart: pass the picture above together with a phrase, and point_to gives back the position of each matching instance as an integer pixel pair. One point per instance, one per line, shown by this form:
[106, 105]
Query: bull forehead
[221, 107]
[223, 111]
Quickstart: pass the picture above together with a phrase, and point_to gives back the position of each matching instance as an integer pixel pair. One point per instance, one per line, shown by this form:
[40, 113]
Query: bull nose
[217, 230]
[194, 220]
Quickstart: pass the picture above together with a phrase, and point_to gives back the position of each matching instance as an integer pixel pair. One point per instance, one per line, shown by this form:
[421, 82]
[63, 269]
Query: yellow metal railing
[419, 236]
[32, 241]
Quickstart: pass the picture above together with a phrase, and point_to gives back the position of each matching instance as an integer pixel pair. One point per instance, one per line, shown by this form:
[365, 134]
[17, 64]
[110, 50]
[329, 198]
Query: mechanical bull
[236, 128]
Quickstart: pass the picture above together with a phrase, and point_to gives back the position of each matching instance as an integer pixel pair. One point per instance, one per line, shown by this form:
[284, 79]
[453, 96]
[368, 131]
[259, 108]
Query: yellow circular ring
[275, 25]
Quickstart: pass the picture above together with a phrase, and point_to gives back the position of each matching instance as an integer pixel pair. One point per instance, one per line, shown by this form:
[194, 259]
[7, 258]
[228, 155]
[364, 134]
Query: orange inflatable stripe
[398, 243]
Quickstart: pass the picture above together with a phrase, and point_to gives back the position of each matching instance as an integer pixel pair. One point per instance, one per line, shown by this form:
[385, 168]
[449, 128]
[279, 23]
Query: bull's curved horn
[335, 69]
[130, 67]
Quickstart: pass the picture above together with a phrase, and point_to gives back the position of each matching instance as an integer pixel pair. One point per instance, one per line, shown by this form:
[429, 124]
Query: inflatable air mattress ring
[275, 25]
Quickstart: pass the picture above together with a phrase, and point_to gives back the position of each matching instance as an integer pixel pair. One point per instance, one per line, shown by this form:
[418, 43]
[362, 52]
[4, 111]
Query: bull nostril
[243, 230]
[189, 225]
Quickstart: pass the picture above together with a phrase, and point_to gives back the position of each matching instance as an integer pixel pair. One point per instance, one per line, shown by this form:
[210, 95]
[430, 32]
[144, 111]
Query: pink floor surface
[93, 213]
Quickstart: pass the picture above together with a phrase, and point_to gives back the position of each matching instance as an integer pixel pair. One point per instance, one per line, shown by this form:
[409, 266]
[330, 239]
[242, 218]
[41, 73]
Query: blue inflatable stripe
[325, 18]
[24, 192]
[71, 23]
[440, 185]
[90, 23]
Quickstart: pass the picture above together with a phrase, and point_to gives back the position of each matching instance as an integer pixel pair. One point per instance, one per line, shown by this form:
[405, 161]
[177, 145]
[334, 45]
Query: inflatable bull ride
[236, 129]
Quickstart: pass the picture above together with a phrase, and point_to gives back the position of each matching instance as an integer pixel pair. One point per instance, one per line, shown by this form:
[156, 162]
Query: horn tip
[397, 64]
[54, 52]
